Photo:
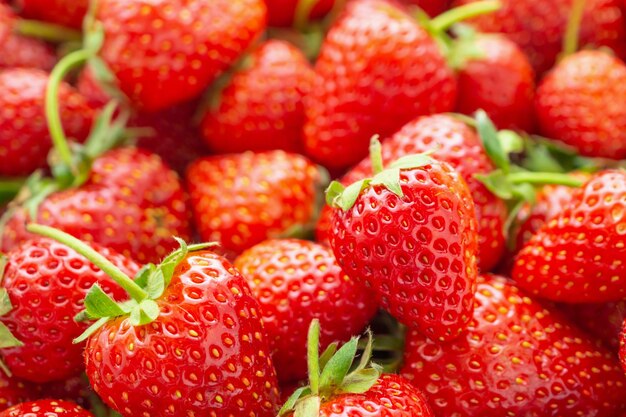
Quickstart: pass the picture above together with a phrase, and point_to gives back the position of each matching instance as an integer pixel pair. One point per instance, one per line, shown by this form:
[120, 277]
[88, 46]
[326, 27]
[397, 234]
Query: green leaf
[390, 179]
[366, 356]
[328, 353]
[497, 183]
[141, 278]
[413, 161]
[489, 136]
[308, 407]
[5, 302]
[91, 330]
[7, 340]
[146, 312]
[376, 154]
[334, 190]
[346, 200]
[360, 381]
[98, 304]
[156, 284]
[293, 399]
[511, 142]
[338, 366]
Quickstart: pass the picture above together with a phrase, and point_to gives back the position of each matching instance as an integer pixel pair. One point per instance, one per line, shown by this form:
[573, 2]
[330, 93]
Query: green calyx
[144, 290]
[7, 340]
[332, 373]
[344, 197]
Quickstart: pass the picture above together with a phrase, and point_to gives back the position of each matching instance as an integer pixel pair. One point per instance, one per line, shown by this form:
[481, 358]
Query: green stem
[544, 178]
[124, 281]
[376, 155]
[313, 356]
[570, 41]
[458, 14]
[47, 31]
[53, 115]
[303, 13]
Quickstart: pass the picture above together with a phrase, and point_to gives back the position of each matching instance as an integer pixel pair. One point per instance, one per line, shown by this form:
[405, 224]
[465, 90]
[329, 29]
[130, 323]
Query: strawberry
[45, 283]
[46, 408]
[501, 81]
[577, 256]
[538, 27]
[410, 234]
[131, 202]
[295, 282]
[323, 226]
[282, 12]
[190, 340]
[517, 358]
[430, 7]
[578, 103]
[162, 56]
[14, 391]
[63, 12]
[75, 389]
[261, 108]
[376, 71]
[24, 138]
[243, 199]
[602, 320]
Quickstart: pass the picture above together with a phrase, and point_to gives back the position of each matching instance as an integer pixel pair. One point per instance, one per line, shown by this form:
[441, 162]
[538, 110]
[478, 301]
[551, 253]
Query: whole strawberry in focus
[377, 70]
[282, 12]
[63, 12]
[243, 199]
[295, 282]
[410, 234]
[261, 108]
[580, 104]
[46, 408]
[24, 137]
[516, 358]
[578, 255]
[162, 55]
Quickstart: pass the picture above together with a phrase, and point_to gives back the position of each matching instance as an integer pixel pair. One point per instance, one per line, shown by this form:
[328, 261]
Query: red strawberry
[282, 12]
[14, 391]
[162, 56]
[243, 199]
[46, 408]
[501, 82]
[261, 108]
[538, 27]
[517, 358]
[578, 255]
[431, 7]
[63, 12]
[323, 226]
[24, 138]
[132, 203]
[602, 320]
[376, 71]
[579, 103]
[295, 282]
[75, 389]
[46, 283]
[411, 236]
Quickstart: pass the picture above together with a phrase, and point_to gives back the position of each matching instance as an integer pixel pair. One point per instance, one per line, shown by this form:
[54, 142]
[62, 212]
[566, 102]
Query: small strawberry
[517, 358]
[283, 12]
[261, 108]
[243, 199]
[578, 255]
[162, 56]
[63, 12]
[410, 234]
[46, 408]
[295, 282]
[14, 391]
[44, 286]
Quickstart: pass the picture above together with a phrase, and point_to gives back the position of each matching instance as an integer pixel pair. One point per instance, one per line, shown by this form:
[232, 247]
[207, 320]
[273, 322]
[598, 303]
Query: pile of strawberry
[446, 179]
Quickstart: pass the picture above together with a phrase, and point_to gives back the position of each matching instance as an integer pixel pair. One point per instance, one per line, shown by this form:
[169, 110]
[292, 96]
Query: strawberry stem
[376, 155]
[313, 356]
[458, 14]
[303, 13]
[124, 281]
[570, 41]
[47, 31]
[543, 178]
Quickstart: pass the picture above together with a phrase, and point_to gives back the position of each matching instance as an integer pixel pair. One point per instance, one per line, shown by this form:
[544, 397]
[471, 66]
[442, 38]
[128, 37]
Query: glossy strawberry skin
[579, 103]
[282, 12]
[243, 199]
[501, 82]
[132, 203]
[47, 283]
[418, 252]
[24, 138]
[538, 27]
[162, 56]
[63, 12]
[261, 108]
[14, 391]
[578, 255]
[46, 408]
[206, 350]
[516, 358]
[295, 282]
[376, 71]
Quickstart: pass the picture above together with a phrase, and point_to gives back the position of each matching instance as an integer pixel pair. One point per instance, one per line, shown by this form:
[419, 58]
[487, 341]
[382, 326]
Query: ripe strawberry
[578, 103]
[132, 203]
[376, 71]
[46, 408]
[24, 138]
[410, 235]
[46, 283]
[431, 7]
[261, 108]
[538, 27]
[282, 12]
[63, 12]
[602, 320]
[501, 82]
[243, 199]
[295, 282]
[162, 56]
[578, 255]
[14, 391]
[517, 358]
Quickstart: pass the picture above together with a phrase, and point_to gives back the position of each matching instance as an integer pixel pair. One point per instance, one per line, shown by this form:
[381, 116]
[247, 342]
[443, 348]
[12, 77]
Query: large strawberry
[64, 12]
[410, 234]
[166, 55]
[46, 408]
[190, 340]
[243, 199]
[261, 108]
[295, 282]
[43, 288]
[578, 255]
[517, 358]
